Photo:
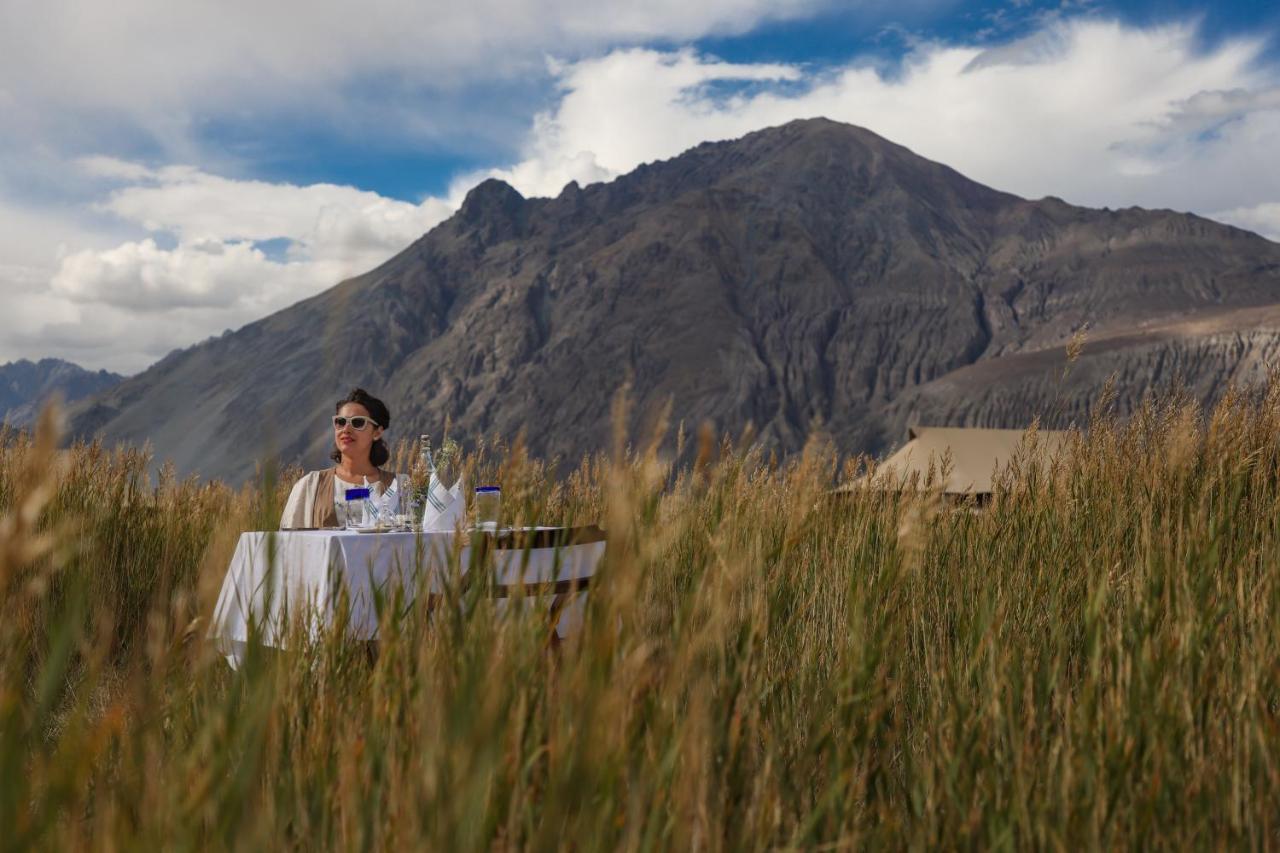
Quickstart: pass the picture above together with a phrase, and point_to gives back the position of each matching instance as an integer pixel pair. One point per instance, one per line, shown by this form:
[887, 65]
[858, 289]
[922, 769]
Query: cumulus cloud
[31, 241]
[322, 221]
[142, 277]
[125, 303]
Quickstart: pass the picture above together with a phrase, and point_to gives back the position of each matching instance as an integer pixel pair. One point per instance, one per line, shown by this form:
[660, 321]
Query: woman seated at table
[359, 452]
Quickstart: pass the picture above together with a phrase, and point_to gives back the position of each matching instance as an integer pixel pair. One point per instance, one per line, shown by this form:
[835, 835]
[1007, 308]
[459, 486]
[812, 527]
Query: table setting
[407, 539]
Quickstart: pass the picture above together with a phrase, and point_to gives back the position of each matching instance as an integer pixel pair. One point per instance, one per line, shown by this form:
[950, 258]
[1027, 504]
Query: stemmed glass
[410, 514]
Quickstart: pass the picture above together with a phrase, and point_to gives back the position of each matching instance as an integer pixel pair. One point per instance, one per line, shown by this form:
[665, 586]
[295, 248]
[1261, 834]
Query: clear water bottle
[426, 460]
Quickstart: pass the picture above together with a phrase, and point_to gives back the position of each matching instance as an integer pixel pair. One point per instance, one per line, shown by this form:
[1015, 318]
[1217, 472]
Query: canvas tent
[976, 456]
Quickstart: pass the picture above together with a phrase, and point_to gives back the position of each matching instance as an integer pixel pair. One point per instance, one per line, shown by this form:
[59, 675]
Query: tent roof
[976, 454]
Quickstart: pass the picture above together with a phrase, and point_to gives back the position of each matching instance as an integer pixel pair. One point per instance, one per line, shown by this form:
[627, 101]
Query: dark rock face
[26, 385]
[1203, 356]
[808, 274]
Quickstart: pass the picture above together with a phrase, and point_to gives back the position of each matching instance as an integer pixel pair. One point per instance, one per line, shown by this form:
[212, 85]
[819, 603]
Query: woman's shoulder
[311, 477]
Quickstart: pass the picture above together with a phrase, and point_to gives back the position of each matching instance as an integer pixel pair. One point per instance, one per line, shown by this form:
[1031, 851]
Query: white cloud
[105, 336]
[141, 277]
[323, 221]
[123, 304]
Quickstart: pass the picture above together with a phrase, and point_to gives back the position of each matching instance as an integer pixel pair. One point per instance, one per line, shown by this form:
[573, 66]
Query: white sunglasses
[358, 422]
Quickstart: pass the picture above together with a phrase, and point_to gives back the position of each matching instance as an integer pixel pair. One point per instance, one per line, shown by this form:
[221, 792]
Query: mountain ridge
[26, 385]
[812, 272]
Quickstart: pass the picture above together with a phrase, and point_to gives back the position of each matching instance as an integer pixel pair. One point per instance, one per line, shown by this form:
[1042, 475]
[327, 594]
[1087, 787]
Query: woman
[359, 421]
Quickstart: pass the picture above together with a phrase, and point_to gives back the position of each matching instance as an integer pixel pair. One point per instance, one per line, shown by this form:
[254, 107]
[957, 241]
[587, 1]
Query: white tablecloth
[315, 570]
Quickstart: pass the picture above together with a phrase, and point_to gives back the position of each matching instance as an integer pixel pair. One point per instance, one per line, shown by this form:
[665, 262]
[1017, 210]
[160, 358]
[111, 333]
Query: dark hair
[378, 454]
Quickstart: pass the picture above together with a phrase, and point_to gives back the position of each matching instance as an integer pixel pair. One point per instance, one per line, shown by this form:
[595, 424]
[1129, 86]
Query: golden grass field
[1093, 660]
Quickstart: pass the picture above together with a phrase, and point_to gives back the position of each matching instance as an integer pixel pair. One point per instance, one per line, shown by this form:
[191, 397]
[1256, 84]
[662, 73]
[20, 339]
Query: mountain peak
[819, 125]
[489, 198]
[814, 133]
[815, 162]
[26, 385]
[494, 211]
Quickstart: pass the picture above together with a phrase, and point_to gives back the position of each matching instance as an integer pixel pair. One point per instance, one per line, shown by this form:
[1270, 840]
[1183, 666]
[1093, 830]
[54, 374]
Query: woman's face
[352, 442]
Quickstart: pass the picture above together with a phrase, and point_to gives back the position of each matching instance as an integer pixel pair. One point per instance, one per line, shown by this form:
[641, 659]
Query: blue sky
[831, 37]
[835, 35]
[172, 170]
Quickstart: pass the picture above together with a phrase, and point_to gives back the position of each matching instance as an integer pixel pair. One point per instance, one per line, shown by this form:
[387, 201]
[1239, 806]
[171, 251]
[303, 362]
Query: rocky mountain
[26, 385]
[809, 274]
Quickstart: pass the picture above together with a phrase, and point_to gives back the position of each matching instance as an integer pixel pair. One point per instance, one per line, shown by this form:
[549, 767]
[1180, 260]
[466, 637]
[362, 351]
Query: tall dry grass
[1092, 660]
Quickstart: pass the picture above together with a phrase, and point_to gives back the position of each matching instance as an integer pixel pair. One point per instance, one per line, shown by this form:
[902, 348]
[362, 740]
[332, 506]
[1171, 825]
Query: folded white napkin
[446, 509]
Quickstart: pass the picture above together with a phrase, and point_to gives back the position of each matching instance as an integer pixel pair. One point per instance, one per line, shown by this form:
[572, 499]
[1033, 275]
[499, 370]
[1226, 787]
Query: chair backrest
[556, 563]
[547, 561]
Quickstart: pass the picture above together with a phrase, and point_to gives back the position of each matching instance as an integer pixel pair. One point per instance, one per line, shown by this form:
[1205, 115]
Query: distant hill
[809, 274]
[25, 385]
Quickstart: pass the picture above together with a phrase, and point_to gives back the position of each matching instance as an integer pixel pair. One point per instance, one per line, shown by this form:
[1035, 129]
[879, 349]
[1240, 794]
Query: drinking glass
[488, 503]
[357, 509]
[410, 514]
